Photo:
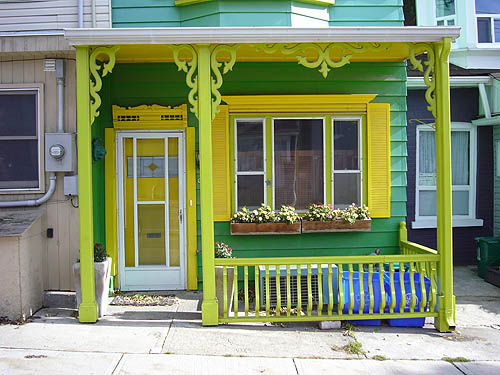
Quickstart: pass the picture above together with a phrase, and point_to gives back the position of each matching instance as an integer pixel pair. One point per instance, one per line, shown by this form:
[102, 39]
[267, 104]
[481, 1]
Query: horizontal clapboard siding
[50, 15]
[153, 13]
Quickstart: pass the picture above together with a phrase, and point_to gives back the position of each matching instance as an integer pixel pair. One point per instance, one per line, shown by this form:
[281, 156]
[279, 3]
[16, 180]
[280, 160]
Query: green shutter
[379, 159]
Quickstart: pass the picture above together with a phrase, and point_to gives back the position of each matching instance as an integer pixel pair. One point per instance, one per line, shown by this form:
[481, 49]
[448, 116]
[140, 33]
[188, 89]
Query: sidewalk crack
[295, 364]
[117, 364]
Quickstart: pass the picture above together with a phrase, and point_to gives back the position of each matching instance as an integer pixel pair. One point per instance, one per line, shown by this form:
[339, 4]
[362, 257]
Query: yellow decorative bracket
[96, 84]
[217, 76]
[189, 65]
[186, 59]
[334, 55]
[426, 67]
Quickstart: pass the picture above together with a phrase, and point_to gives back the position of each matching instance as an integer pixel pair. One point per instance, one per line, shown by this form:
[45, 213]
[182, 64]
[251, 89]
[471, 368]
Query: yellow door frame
[111, 208]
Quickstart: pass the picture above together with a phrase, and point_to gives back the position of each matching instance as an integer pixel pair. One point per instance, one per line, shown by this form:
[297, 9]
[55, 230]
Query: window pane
[298, 162]
[487, 7]
[460, 201]
[427, 158]
[440, 23]
[19, 164]
[445, 8]
[451, 23]
[346, 189]
[151, 234]
[497, 31]
[250, 146]
[460, 158]
[428, 203]
[250, 191]
[18, 114]
[484, 30]
[346, 145]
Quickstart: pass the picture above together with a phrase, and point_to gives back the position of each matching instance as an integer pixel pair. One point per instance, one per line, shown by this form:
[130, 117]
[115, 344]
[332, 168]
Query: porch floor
[176, 329]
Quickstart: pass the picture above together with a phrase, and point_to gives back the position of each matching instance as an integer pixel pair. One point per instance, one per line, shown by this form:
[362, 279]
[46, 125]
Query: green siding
[164, 13]
[161, 83]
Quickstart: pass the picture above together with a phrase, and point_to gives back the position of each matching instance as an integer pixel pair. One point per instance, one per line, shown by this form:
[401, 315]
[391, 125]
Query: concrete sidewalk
[150, 340]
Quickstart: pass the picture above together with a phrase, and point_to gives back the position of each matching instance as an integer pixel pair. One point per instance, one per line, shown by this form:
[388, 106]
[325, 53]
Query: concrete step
[56, 298]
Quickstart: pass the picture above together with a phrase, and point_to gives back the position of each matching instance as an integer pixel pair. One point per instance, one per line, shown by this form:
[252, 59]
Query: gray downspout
[80, 14]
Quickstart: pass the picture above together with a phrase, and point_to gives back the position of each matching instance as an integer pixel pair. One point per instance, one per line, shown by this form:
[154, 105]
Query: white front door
[152, 253]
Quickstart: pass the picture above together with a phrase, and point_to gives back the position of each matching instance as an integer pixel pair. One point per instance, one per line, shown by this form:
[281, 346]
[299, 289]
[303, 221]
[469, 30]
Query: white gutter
[466, 81]
[189, 35]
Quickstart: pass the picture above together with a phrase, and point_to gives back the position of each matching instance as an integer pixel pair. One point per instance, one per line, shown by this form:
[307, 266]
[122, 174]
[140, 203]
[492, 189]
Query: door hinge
[180, 216]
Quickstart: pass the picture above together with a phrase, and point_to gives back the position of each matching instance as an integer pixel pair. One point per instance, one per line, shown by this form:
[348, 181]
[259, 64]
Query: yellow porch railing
[333, 288]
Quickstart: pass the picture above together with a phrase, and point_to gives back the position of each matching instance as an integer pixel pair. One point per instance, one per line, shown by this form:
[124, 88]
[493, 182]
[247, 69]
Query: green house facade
[205, 107]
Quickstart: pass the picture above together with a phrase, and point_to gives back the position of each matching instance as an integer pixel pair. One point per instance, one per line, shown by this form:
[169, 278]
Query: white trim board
[183, 35]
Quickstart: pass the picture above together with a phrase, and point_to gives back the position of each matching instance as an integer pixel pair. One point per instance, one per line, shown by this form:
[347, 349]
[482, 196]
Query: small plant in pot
[222, 250]
[102, 274]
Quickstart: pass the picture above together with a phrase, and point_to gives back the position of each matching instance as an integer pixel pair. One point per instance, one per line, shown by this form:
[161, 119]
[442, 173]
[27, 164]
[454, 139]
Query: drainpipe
[60, 129]
[80, 14]
[94, 18]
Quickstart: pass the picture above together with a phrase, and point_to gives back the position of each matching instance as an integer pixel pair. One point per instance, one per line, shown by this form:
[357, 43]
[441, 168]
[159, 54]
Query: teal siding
[367, 13]
[164, 13]
[161, 83]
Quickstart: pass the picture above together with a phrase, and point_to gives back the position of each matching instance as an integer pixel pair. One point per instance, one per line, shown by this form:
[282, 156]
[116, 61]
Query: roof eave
[231, 35]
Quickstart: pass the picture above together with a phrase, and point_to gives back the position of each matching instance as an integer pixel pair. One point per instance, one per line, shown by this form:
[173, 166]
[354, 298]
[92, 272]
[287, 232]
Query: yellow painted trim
[150, 117]
[111, 199]
[298, 103]
[221, 200]
[268, 155]
[328, 159]
[192, 275]
[179, 3]
[379, 208]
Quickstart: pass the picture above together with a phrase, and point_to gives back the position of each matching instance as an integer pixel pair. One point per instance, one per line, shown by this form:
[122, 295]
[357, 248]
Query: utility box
[488, 253]
[60, 152]
[71, 185]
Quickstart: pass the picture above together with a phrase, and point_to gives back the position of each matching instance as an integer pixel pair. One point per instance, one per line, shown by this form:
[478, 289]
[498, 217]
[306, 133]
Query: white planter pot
[102, 274]
[219, 290]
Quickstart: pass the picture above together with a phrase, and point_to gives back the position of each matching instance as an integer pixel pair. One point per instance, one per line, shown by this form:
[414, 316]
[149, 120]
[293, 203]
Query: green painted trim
[269, 160]
[88, 311]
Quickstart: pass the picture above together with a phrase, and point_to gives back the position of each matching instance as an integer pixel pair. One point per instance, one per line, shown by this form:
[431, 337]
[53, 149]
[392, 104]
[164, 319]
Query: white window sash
[360, 155]
[36, 90]
[249, 173]
[458, 220]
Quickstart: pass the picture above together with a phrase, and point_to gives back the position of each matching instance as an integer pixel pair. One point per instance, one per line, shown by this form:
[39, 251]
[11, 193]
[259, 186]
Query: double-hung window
[463, 175]
[488, 21]
[303, 164]
[445, 12]
[20, 139]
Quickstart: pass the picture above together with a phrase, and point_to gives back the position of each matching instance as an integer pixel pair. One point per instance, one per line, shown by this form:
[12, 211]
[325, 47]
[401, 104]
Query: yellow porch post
[88, 311]
[446, 319]
[209, 307]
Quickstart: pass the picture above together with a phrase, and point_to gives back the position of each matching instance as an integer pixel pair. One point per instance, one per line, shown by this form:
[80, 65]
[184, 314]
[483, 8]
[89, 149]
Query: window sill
[432, 223]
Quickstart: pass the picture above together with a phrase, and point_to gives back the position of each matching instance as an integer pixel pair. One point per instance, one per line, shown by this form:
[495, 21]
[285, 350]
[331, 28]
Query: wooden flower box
[336, 226]
[266, 228]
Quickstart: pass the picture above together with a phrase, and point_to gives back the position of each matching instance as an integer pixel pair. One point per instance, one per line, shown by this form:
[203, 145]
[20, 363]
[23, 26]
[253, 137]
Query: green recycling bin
[488, 253]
